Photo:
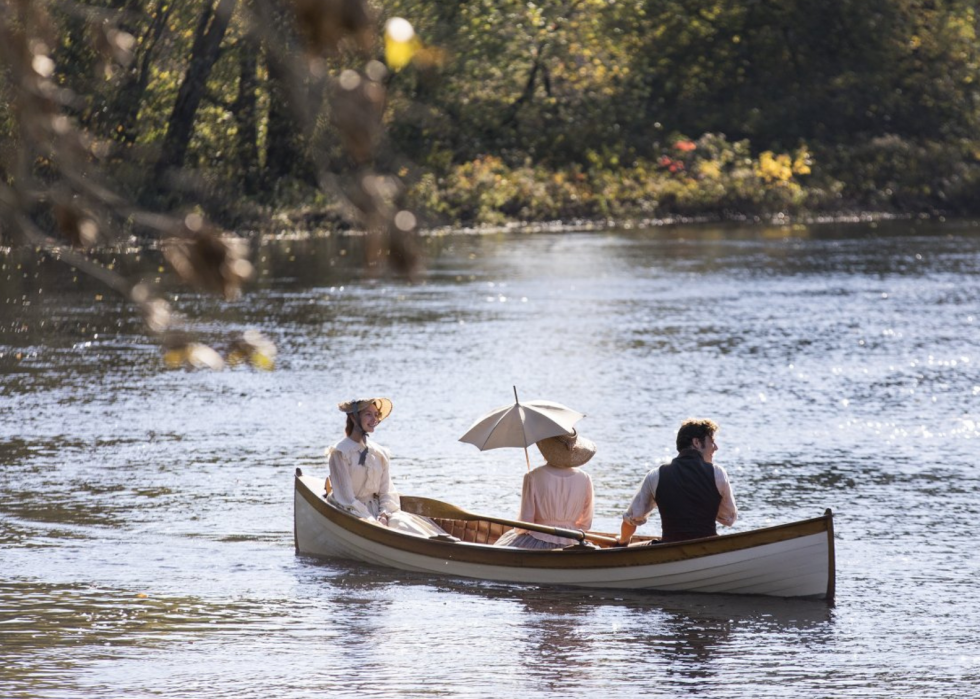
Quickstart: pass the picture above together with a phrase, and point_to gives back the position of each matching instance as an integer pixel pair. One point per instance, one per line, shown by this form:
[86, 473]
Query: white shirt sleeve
[727, 511]
[387, 495]
[644, 501]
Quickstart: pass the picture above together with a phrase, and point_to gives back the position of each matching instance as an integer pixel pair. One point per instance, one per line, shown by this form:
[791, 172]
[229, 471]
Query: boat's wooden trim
[569, 558]
[831, 557]
[299, 479]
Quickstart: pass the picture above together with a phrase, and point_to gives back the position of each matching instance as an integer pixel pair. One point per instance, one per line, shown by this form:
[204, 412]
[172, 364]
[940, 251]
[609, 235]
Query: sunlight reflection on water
[840, 362]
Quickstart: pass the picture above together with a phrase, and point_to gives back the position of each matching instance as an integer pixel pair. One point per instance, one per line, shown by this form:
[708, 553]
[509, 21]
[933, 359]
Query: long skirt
[523, 540]
[414, 524]
[402, 521]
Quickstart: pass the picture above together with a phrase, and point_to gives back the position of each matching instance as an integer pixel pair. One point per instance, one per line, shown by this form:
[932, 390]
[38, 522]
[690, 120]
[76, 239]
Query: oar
[444, 509]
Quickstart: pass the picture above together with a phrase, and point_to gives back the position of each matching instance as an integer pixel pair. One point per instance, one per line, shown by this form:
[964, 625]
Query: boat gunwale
[572, 557]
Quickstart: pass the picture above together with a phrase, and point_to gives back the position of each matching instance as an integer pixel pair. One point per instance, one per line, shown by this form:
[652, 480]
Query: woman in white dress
[557, 494]
[359, 472]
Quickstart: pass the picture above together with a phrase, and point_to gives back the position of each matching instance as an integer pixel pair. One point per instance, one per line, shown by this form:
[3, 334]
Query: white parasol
[521, 425]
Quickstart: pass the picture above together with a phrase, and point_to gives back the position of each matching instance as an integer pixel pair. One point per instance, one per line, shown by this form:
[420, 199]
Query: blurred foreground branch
[60, 190]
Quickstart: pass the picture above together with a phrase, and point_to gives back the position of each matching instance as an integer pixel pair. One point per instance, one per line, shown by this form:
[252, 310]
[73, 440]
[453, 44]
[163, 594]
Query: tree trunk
[510, 118]
[204, 54]
[291, 117]
[129, 98]
[281, 151]
[246, 117]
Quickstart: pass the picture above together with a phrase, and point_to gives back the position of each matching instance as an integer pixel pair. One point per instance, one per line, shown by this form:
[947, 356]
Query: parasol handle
[527, 458]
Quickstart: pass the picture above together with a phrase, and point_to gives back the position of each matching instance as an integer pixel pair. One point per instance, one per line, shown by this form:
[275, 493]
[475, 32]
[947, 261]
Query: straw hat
[352, 407]
[566, 451]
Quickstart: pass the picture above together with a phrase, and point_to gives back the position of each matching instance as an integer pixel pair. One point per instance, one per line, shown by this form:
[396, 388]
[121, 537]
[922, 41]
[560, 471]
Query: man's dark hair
[695, 428]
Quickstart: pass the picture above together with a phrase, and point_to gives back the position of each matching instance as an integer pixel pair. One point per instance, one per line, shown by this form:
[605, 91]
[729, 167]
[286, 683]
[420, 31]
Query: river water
[146, 544]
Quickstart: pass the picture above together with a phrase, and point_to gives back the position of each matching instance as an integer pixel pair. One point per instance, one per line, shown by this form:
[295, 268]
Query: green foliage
[841, 76]
[539, 80]
[710, 176]
[893, 173]
[836, 72]
[573, 108]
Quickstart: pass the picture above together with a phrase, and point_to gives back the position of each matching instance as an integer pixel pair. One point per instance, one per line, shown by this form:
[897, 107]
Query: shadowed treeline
[508, 110]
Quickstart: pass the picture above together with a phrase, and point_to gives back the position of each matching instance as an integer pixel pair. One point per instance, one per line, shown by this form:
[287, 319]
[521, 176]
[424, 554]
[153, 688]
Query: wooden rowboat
[788, 560]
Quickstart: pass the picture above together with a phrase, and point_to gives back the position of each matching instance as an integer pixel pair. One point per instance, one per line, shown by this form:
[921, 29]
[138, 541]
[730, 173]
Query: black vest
[687, 497]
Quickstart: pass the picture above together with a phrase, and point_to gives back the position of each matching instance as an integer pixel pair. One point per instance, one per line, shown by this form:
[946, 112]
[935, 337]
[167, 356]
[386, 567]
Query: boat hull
[792, 560]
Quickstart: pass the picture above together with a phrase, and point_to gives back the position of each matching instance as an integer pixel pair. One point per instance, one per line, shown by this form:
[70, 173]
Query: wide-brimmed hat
[567, 450]
[352, 407]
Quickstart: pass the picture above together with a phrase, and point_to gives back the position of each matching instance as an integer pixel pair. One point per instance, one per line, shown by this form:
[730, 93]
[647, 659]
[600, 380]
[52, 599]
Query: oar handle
[436, 508]
[577, 534]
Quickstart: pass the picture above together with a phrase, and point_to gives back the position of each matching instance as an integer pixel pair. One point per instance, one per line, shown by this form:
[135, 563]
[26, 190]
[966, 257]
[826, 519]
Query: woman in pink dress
[557, 494]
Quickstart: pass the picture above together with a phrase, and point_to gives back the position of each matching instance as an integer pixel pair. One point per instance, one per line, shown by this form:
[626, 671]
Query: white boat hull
[775, 562]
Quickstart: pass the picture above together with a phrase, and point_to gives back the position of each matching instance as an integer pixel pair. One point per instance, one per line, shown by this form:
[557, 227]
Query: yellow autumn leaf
[801, 165]
[401, 44]
[263, 361]
[709, 169]
[174, 358]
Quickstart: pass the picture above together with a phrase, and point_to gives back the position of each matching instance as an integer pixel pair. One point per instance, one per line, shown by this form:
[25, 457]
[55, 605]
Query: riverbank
[711, 179]
[305, 223]
[580, 226]
[707, 180]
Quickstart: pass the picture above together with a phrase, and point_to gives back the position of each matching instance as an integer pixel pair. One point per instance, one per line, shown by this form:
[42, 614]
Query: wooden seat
[475, 531]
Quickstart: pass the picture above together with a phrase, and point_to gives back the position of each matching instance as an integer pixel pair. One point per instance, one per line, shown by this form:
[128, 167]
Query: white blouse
[557, 497]
[365, 489]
